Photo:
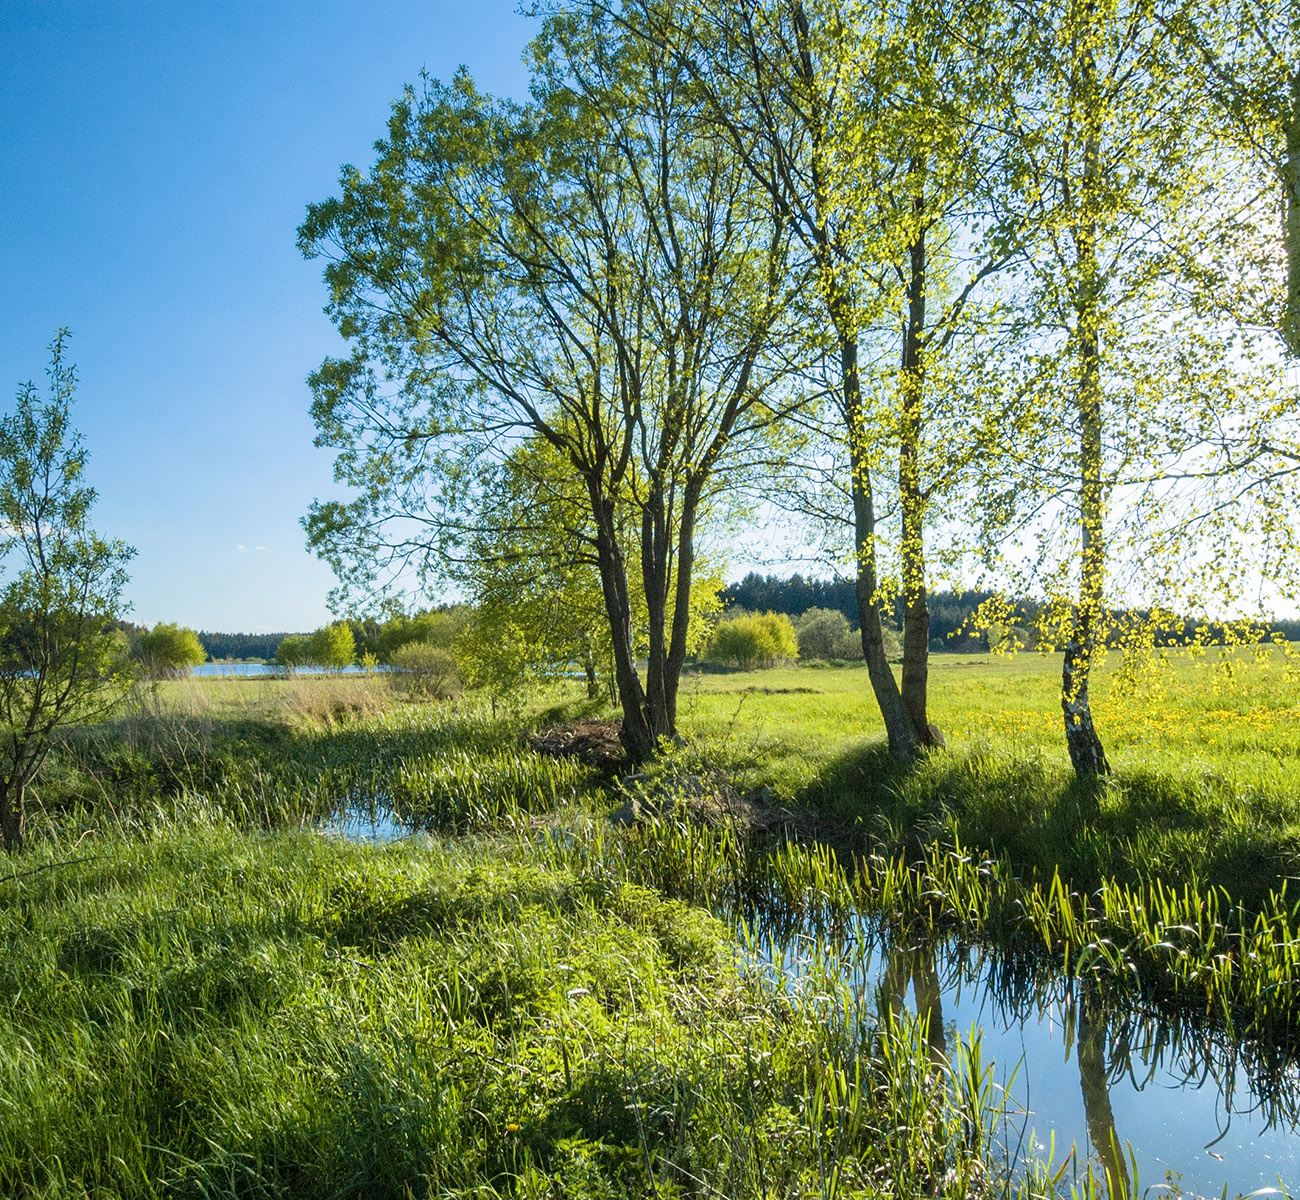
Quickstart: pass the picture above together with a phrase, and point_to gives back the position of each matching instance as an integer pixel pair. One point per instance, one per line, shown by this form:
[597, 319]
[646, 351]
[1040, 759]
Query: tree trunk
[904, 740]
[916, 610]
[1291, 188]
[1086, 753]
[1090, 1050]
[635, 734]
[12, 817]
[660, 714]
[589, 670]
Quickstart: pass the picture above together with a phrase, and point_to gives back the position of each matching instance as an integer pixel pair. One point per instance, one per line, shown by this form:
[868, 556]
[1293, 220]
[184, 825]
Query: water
[1181, 1099]
[367, 825]
[249, 668]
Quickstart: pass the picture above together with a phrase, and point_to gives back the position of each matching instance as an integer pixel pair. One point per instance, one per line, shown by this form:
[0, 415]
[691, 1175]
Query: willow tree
[595, 269]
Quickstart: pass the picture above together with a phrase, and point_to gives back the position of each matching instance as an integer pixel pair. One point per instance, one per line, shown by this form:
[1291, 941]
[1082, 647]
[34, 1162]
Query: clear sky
[156, 158]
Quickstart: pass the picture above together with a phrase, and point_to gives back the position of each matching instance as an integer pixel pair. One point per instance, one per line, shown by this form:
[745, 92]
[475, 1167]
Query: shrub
[168, 650]
[825, 633]
[750, 642]
[424, 670]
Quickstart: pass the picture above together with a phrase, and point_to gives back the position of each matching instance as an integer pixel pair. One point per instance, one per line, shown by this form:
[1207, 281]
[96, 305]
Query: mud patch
[592, 743]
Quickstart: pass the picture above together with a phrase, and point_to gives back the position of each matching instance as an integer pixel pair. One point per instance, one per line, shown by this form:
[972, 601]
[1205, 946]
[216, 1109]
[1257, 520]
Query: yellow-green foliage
[753, 641]
[333, 646]
[168, 650]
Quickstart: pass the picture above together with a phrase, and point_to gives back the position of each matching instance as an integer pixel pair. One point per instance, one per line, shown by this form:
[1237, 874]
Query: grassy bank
[1206, 790]
[207, 999]
[204, 1012]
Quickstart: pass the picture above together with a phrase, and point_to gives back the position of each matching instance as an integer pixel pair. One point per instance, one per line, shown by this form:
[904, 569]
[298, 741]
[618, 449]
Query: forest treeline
[951, 613]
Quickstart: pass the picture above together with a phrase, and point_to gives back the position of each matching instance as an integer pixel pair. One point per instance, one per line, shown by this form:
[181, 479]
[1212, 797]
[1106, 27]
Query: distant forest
[240, 647]
[795, 595]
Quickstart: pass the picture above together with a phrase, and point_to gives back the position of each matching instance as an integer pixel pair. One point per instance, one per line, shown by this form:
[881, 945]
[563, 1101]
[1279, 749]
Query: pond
[1130, 1090]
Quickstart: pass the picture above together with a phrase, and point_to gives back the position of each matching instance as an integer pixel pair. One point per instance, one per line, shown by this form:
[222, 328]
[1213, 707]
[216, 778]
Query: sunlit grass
[197, 1012]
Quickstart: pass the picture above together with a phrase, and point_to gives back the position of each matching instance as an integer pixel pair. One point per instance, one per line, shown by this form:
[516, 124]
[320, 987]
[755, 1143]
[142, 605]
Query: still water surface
[1182, 1102]
[247, 668]
[1176, 1098]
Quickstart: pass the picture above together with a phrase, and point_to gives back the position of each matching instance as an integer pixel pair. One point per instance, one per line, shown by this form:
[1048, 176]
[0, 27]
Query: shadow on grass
[1136, 826]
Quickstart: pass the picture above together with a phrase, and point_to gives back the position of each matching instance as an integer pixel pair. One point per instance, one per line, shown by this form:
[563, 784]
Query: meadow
[208, 996]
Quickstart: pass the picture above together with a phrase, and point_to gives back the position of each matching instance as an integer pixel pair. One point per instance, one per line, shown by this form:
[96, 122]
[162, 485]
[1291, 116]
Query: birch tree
[1134, 387]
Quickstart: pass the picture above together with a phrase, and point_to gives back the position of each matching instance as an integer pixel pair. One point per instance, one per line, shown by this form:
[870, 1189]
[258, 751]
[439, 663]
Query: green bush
[169, 650]
[825, 633]
[753, 641]
[424, 670]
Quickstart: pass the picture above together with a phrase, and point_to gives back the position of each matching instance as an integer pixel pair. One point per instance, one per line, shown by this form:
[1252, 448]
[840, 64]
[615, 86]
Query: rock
[628, 814]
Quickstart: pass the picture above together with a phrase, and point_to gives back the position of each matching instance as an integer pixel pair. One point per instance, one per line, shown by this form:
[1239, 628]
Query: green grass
[204, 998]
[201, 1012]
[1206, 790]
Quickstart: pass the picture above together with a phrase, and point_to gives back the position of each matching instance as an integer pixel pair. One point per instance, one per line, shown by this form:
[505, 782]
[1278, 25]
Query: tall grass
[199, 1013]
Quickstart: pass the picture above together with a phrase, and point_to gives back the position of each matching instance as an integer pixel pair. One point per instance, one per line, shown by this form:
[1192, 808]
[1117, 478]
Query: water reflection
[1094, 1079]
[915, 965]
[1188, 1101]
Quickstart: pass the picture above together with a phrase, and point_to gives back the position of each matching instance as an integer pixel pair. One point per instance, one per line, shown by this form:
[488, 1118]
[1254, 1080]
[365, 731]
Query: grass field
[206, 997]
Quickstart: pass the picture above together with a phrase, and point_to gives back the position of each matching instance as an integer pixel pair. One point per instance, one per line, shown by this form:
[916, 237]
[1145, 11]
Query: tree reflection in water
[1094, 1078]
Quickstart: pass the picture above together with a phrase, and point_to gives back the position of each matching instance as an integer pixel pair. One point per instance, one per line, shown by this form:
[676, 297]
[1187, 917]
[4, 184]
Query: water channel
[1134, 1090]
[1135, 1093]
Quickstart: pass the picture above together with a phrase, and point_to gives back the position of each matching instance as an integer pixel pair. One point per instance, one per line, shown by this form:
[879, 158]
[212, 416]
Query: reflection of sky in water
[1166, 1120]
[367, 825]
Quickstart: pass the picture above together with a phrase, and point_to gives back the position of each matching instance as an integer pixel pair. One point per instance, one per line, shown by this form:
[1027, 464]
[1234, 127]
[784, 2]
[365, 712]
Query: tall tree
[59, 662]
[1133, 389]
[594, 269]
[875, 130]
[1244, 57]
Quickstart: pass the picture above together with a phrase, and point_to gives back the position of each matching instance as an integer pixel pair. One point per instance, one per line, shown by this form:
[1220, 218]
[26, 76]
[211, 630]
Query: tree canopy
[989, 291]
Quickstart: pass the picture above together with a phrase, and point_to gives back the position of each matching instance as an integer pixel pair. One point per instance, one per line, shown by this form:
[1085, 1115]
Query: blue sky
[156, 159]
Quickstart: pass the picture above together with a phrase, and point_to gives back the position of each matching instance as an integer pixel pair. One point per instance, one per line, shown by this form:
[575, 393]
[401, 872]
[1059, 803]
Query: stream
[1180, 1103]
[1146, 1097]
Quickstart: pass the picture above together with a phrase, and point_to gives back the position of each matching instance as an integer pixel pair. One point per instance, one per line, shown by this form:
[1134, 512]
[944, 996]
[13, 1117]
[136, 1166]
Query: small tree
[167, 650]
[750, 642]
[62, 586]
[825, 633]
[294, 651]
[333, 646]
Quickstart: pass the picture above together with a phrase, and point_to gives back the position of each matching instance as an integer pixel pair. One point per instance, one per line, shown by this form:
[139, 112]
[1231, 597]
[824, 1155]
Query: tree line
[970, 289]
